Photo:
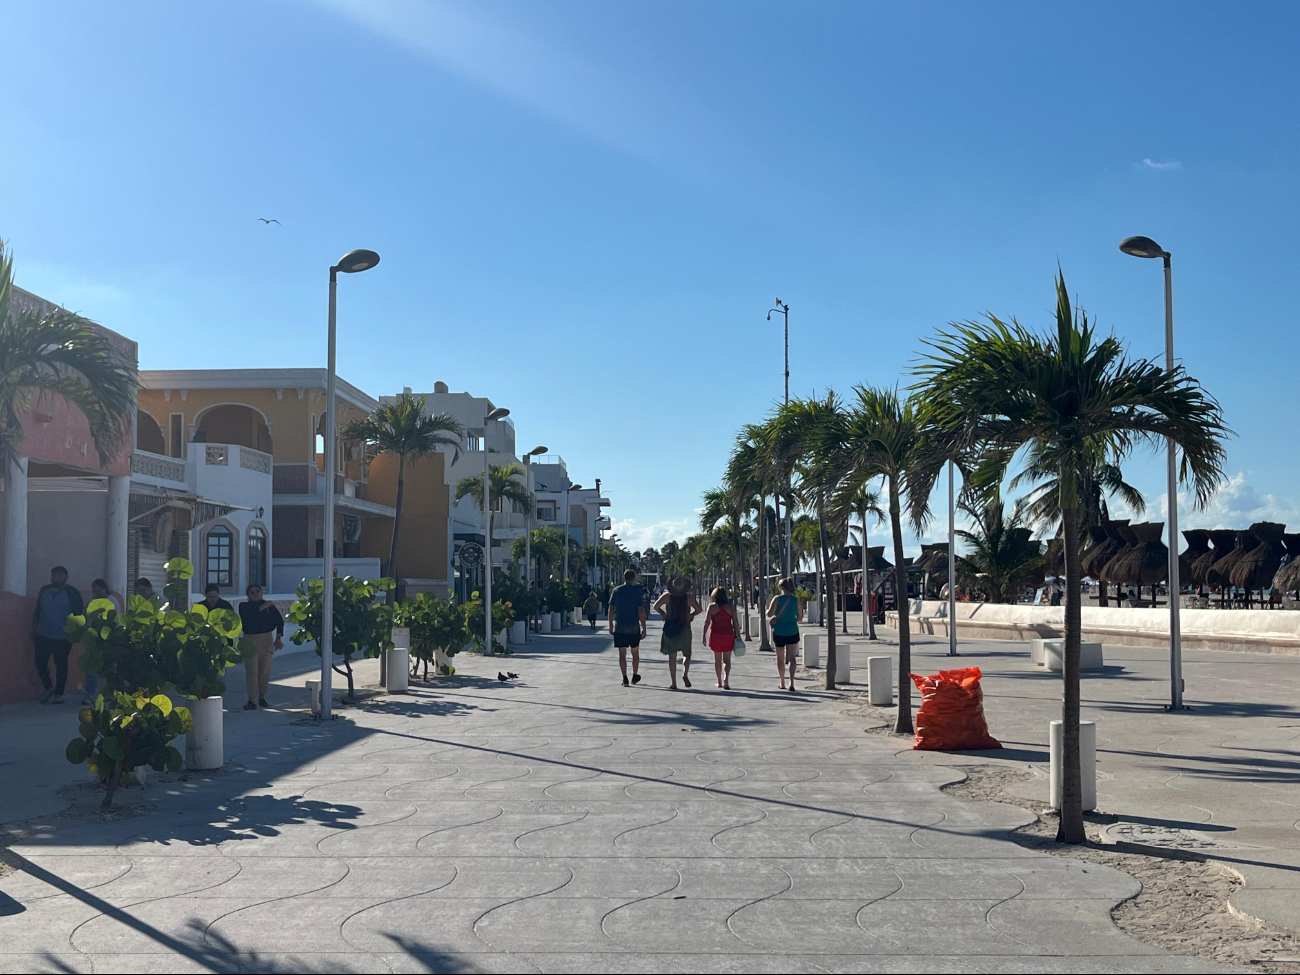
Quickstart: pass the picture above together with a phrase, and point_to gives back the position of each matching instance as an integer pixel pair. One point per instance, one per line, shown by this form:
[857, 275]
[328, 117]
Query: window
[176, 431]
[217, 563]
[546, 511]
[256, 557]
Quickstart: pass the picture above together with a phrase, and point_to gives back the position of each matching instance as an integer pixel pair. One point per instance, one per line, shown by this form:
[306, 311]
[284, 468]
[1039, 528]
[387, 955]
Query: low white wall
[287, 574]
[1275, 631]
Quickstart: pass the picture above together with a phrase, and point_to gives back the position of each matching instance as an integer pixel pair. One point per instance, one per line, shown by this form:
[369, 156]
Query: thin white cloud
[637, 537]
[1168, 164]
[1237, 504]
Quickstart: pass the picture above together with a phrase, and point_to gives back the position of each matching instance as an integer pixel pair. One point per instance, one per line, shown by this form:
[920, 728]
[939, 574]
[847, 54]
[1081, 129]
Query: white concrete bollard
[1036, 652]
[880, 681]
[205, 743]
[1087, 762]
[517, 632]
[812, 650]
[398, 677]
[313, 694]
[557, 621]
[842, 663]
[546, 622]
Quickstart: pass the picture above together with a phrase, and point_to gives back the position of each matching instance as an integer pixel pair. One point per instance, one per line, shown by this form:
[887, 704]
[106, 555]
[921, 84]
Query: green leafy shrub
[502, 616]
[362, 623]
[436, 624]
[137, 732]
[804, 596]
[176, 591]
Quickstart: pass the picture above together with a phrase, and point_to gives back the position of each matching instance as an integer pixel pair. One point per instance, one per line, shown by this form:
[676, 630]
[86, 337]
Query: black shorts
[627, 639]
[785, 641]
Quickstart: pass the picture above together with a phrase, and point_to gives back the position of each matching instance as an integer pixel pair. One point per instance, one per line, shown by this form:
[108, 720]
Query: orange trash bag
[951, 717]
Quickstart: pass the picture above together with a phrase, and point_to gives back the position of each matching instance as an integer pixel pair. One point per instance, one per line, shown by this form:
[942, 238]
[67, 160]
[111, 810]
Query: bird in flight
[272, 220]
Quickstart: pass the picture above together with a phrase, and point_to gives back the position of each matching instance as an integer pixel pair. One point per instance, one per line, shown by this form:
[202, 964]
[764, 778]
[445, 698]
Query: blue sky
[586, 209]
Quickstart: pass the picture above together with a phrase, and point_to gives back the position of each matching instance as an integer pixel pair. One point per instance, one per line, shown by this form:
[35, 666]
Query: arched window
[256, 557]
[148, 434]
[218, 558]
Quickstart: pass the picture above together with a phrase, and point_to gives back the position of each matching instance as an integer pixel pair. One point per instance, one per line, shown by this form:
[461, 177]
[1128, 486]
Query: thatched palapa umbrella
[1288, 577]
[1145, 561]
[1198, 543]
[1220, 573]
[1223, 541]
[1255, 569]
[1095, 559]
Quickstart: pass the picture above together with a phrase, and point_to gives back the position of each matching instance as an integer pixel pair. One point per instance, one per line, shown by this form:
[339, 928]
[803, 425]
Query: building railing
[149, 464]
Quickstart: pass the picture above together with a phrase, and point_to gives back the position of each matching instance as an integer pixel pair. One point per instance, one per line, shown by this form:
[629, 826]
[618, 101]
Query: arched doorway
[234, 423]
[148, 434]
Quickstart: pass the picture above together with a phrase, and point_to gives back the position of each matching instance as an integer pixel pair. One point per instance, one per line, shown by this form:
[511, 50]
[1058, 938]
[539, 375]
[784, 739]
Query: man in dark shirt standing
[54, 604]
[627, 618]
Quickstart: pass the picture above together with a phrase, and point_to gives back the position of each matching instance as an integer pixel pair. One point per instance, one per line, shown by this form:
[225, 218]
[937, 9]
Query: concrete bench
[1090, 656]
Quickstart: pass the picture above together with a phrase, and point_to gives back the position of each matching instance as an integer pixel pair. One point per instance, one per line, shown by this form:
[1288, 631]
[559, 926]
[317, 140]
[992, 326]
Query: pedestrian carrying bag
[738, 648]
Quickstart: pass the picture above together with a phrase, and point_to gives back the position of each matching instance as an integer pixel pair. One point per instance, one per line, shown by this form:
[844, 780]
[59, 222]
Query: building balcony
[303, 485]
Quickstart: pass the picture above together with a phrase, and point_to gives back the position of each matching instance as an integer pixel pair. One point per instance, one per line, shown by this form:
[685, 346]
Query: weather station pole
[350, 263]
[783, 309]
[1148, 248]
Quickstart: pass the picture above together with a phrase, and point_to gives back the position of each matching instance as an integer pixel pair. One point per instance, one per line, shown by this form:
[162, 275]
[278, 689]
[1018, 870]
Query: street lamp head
[575, 487]
[357, 260]
[500, 413]
[1142, 247]
[536, 452]
[769, 316]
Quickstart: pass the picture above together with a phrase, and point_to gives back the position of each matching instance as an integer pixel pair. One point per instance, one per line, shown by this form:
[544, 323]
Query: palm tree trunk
[744, 581]
[824, 553]
[1070, 829]
[391, 570]
[763, 554]
[867, 588]
[903, 724]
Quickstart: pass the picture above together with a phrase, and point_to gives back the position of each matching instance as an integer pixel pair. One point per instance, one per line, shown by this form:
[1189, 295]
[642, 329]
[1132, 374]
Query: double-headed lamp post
[498, 414]
[349, 263]
[567, 520]
[783, 309]
[1146, 247]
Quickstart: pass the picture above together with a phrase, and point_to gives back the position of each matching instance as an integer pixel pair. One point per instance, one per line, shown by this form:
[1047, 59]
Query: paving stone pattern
[565, 823]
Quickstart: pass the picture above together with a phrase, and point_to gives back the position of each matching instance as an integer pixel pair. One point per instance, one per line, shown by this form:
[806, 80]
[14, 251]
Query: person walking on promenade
[678, 606]
[720, 629]
[785, 612]
[627, 619]
[591, 609]
[264, 626]
[54, 604]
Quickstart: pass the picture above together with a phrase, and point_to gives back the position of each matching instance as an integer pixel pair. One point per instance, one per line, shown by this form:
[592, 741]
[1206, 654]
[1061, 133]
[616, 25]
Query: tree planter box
[518, 632]
[440, 659]
[557, 621]
[398, 678]
[205, 743]
[812, 655]
[546, 623]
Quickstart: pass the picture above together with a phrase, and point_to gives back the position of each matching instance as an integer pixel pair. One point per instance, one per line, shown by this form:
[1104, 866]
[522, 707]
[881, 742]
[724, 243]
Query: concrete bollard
[556, 621]
[812, 650]
[1036, 652]
[398, 678]
[546, 623]
[517, 632]
[842, 663]
[1087, 762]
[205, 743]
[880, 681]
[313, 695]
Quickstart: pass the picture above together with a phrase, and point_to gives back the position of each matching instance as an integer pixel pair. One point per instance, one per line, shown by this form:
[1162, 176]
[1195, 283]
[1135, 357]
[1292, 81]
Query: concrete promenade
[560, 823]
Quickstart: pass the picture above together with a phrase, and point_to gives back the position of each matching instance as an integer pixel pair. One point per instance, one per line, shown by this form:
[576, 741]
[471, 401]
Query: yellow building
[280, 412]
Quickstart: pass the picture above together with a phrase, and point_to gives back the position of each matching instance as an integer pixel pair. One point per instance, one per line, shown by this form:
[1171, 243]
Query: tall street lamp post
[952, 564]
[528, 532]
[568, 521]
[497, 414]
[1146, 247]
[349, 263]
[783, 309]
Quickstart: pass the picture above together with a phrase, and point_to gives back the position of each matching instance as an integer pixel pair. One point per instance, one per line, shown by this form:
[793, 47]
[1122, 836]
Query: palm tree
[1003, 555]
[54, 352]
[887, 439]
[403, 428]
[809, 435]
[505, 483]
[750, 470]
[996, 387]
[857, 498]
[731, 504]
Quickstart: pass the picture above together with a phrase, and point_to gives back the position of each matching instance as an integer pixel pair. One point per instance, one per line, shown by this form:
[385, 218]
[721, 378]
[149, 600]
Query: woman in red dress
[720, 634]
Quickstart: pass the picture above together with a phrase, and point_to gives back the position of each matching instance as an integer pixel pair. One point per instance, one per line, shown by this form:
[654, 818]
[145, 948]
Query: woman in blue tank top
[785, 611]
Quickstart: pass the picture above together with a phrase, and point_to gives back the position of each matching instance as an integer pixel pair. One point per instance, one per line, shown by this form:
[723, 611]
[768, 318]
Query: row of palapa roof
[1259, 558]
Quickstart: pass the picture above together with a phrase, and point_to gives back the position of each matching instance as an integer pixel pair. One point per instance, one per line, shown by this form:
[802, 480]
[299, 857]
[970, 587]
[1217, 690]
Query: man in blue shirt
[627, 619]
[54, 604]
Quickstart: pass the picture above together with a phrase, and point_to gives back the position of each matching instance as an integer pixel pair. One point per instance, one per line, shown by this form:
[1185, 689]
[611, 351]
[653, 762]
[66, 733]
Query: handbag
[738, 648]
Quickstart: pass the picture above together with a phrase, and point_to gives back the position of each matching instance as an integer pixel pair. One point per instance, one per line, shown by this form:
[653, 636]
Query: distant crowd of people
[629, 609]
